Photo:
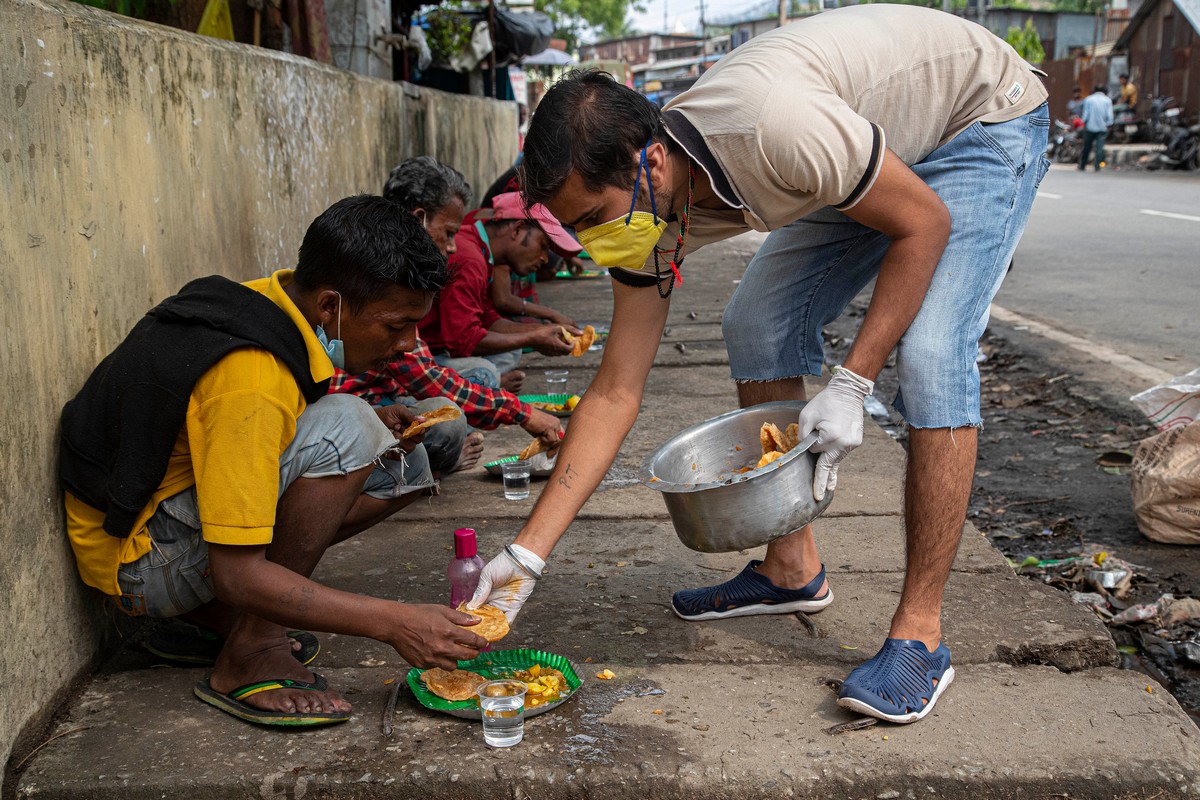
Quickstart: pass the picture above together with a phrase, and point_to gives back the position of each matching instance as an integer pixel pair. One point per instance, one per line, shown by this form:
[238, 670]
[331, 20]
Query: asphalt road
[1114, 258]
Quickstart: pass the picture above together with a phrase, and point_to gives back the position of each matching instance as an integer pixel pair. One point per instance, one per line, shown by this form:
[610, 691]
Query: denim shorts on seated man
[805, 274]
[476, 369]
[334, 436]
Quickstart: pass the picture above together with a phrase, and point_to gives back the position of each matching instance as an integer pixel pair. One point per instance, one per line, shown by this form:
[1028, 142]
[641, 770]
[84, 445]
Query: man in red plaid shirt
[416, 375]
[414, 383]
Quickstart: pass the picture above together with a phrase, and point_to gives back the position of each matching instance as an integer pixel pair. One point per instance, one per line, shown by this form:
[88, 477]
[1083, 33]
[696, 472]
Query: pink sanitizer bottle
[464, 568]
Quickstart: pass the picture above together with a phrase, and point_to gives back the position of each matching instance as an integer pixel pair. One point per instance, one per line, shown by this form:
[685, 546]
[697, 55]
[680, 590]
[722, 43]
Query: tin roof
[1189, 8]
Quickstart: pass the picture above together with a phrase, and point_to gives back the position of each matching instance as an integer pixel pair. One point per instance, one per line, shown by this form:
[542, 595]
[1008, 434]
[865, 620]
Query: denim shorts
[336, 435]
[476, 369]
[806, 273]
[506, 361]
[443, 443]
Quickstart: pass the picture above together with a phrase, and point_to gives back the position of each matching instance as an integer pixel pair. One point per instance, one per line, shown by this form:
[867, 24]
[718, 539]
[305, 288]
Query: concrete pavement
[1129, 155]
[736, 708]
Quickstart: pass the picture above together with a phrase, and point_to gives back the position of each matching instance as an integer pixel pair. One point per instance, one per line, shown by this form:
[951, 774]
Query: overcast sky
[685, 14]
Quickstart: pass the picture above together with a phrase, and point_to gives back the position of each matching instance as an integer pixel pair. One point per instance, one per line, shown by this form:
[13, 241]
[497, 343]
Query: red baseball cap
[511, 205]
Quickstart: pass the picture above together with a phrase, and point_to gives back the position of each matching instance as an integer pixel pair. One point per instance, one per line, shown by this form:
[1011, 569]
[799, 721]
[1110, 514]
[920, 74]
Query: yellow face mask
[628, 241]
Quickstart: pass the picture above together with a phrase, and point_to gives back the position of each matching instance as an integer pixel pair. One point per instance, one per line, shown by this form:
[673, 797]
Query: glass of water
[556, 381]
[516, 479]
[502, 705]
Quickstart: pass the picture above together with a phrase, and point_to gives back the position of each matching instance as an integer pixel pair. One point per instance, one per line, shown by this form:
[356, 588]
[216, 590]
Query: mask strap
[649, 185]
[339, 294]
[642, 165]
[637, 180]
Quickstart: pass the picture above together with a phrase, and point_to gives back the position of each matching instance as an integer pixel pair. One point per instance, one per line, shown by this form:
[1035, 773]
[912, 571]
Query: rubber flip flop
[747, 594]
[897, 684]
[231, 703]
[185, 643]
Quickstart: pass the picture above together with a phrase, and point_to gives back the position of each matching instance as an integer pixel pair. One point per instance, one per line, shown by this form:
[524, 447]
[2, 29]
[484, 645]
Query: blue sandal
[747, 594]
[898, 684]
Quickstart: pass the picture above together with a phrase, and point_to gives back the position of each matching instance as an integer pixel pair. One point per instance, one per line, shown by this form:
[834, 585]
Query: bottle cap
[464, 543]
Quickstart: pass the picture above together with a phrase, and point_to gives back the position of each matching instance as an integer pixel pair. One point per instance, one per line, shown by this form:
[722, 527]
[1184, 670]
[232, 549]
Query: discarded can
[1107, 578]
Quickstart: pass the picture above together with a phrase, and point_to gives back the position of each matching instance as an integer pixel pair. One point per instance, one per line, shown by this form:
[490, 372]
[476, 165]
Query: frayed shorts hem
[975, 425]
[741, 381]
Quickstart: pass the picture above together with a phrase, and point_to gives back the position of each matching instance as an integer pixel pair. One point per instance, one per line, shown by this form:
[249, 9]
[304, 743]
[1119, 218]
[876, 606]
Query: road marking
[1170, 215]
[1143, 371]
[1050, 195]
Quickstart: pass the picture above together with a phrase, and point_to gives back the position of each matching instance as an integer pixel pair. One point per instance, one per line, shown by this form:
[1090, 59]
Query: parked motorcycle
[1183, 150]
[1162, 119]
[1065, 143]
[1126, 127]
[1156, 128]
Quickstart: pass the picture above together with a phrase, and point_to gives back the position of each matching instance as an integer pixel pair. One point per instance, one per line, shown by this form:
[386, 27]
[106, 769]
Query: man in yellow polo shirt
[206, 470]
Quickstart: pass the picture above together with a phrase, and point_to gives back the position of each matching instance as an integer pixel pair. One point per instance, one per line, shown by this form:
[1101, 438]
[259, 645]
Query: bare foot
[244, 660]
[218, 618]
[512, 381]
[296, 644]
[472, 451]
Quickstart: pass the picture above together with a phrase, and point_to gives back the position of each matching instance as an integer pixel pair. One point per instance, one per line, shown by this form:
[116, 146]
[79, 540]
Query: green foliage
[1026, 42]
[609, 18]
[955, 5]
[1078, 6]
[130, 8]
[449, 32]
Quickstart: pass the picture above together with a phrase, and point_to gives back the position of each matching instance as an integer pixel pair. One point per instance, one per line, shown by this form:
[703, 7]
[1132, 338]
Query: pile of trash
[1165, 473]
[1168, 626]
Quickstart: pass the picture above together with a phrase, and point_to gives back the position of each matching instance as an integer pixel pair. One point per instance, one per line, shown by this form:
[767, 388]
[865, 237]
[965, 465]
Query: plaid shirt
[417, 375]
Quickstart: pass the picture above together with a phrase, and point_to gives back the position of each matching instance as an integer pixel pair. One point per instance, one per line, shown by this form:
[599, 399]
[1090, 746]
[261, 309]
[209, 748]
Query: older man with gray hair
[438, 195]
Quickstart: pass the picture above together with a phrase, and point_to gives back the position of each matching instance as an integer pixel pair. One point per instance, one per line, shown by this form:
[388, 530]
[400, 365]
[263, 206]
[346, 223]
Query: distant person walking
[1097, 114]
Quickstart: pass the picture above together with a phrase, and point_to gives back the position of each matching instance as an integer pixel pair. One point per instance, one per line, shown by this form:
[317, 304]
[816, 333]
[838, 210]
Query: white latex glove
[836, 414]
[508, 580]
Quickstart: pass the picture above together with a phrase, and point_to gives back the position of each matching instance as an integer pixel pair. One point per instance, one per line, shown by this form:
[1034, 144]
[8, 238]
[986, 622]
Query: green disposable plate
[587, 273]
[493, 467]
[556, 399]
[493, 666]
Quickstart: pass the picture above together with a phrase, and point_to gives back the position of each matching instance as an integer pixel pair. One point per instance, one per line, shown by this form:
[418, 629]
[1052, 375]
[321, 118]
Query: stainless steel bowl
[713, 507]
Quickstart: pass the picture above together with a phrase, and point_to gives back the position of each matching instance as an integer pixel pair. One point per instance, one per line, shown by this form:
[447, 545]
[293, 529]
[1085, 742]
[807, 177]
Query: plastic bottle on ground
[463, 571]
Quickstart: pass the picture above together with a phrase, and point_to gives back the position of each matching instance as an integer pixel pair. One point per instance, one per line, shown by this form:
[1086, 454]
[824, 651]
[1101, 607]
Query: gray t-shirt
[797, 119]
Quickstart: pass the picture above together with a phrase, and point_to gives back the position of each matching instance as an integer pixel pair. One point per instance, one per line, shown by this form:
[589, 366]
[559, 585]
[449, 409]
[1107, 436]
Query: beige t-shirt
[796, 120]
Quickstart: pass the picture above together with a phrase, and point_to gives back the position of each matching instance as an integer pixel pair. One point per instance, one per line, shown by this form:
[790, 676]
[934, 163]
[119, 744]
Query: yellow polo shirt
[241, 417]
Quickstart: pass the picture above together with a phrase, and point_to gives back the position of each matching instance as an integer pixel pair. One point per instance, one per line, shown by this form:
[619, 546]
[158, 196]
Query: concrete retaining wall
[134, 158]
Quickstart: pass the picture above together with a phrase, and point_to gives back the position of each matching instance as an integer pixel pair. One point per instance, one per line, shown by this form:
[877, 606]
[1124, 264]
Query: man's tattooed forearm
[565, 479]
